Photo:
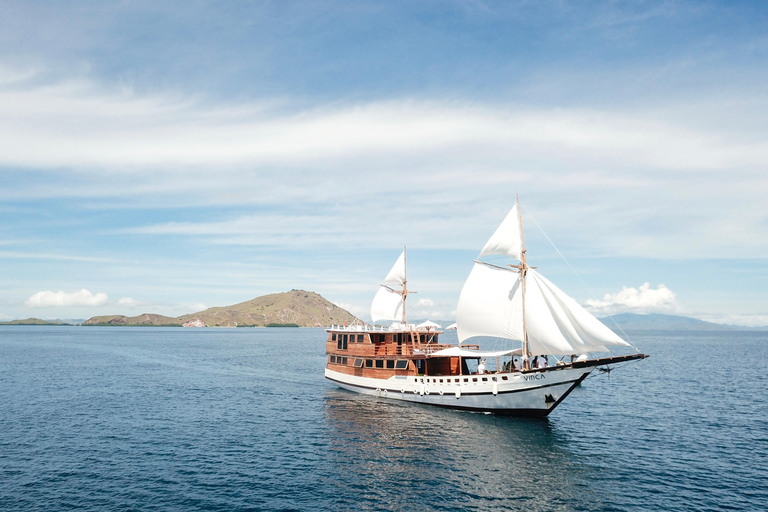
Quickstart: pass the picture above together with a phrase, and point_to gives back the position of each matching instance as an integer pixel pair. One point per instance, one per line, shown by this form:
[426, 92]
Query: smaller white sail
[396, 276]
[507, 240]
[387, 305]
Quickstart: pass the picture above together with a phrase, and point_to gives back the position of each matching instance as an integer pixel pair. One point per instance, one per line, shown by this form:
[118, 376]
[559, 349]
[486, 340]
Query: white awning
[464, 352]
[428, 325]
[452, 326]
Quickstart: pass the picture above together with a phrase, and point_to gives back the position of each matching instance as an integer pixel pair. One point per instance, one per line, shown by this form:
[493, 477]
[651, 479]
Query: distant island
[296, 308]
[659, 322]
[35, 321]
[299, 308]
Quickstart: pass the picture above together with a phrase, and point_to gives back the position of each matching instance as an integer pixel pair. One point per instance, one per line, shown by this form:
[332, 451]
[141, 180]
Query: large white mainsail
[491, 304]
[389, 303]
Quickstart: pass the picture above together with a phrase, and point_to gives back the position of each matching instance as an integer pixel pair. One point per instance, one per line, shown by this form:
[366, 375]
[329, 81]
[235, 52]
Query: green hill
[147, 319]
[305, 309]
[297, 307]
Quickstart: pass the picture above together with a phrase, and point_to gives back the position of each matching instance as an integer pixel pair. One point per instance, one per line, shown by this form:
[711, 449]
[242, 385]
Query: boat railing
[430, 348]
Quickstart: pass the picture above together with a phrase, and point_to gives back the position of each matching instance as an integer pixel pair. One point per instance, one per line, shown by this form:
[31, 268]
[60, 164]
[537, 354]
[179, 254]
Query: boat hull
[523, 394]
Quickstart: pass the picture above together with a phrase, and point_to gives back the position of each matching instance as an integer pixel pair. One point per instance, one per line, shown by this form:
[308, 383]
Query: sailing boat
[406, 362]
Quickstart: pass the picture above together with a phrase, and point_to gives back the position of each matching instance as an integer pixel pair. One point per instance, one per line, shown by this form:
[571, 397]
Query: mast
[405, 280]
[523, 271]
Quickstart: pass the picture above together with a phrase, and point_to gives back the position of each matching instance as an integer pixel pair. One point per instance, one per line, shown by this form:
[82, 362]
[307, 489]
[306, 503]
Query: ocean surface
[143, 419]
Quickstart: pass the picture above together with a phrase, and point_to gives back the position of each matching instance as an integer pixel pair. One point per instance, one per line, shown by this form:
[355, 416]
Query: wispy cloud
[61, 257]
[83, 126]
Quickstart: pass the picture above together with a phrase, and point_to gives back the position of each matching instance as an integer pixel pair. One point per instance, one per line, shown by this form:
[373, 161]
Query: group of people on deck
[541, 361]
[534, 362]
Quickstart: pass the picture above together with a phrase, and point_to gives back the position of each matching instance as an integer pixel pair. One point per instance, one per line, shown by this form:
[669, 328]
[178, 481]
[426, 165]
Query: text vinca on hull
[515, 302]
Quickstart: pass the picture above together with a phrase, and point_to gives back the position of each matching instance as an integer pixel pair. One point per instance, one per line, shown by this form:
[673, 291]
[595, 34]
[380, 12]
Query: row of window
[391, 364]
[342, 339]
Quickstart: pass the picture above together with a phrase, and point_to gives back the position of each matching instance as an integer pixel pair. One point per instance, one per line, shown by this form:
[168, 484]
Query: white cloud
[636, 300]
[358, 311]
[425, 303]
[129, 302]
[82, 297]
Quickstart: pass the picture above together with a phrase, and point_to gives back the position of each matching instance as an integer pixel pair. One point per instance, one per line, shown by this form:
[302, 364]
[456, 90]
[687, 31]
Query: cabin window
[441, 381]
[379, 363]
[390, 363]
[474, 379]
[333, 359]
[339, 343]
[343, 360]
[466, 380]
[504, 377]
[369, 363]
[423, 338]
[358, 363]
[401, 365]
[333, 337]
[485, 379]
[359, 338]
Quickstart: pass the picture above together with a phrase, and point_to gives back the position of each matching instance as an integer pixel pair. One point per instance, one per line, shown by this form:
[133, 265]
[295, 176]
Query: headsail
[396, 276]
[507, 239]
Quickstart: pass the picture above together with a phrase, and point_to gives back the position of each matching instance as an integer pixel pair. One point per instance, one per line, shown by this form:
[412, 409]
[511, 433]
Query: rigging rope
[591, 294]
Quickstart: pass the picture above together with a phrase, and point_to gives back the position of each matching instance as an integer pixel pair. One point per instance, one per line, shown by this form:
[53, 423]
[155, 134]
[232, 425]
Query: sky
[166, 157]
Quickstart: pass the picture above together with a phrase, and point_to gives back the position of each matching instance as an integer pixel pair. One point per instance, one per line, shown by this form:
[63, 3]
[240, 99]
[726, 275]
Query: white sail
[507, 239]
[396, 276]
[387, 305]
[491, 305]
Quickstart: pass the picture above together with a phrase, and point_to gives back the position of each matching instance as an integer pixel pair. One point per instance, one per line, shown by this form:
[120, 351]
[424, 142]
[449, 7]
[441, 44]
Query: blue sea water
[173, 419]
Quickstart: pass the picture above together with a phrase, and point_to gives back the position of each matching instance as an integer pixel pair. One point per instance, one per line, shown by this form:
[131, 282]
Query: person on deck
[518, 365]
[481, 367]
[543, 362]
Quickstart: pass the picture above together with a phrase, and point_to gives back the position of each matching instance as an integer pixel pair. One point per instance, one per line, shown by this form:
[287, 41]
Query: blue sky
[165, 158]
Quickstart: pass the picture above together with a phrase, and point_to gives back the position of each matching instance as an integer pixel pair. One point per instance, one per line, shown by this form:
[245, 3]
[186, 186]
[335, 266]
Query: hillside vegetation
[34, 321]
[297, 307]
[305, 309]
[147, 319]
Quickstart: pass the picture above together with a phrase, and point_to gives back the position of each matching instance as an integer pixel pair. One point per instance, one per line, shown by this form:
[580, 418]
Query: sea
[172, 419]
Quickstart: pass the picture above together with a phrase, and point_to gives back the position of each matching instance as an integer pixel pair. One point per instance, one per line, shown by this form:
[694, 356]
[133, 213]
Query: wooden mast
[405, 280]
[523, 270]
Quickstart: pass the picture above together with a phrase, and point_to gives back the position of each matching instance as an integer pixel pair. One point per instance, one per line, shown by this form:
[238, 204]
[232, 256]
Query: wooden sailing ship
[408, 362]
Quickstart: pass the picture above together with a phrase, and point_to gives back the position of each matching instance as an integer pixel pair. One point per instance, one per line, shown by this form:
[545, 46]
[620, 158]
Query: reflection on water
[391, 455]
